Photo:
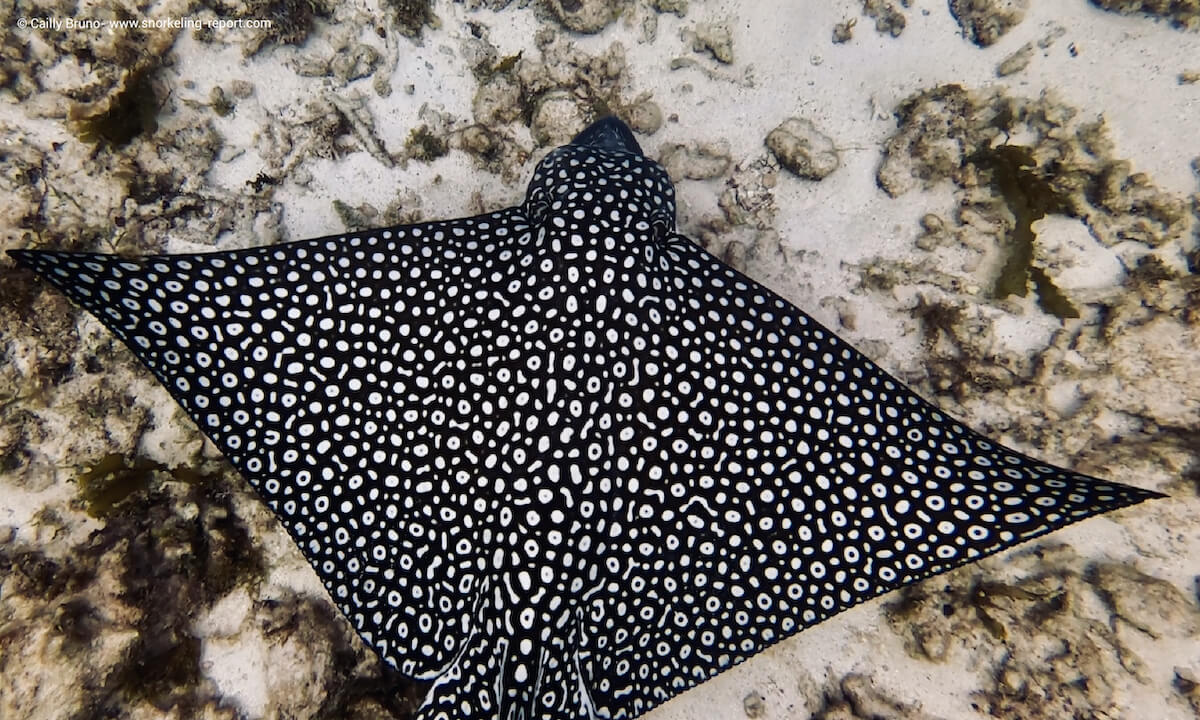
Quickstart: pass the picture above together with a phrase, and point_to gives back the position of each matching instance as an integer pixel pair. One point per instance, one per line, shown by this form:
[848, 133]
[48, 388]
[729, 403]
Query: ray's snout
[608, 134]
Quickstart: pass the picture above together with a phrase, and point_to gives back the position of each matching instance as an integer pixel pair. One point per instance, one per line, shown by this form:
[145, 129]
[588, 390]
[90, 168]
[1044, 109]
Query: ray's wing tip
[1130, 495]
[38, 261]
[35, 261]
[48, 265]
[1144, 494]
[22, 257]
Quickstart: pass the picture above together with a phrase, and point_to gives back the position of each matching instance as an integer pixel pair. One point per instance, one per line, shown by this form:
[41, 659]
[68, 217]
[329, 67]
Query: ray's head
[601, 180]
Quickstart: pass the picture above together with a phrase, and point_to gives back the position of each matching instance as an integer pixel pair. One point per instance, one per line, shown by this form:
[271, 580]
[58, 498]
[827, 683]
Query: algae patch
[171, 544]
[1065, 165]
[1030, 198]
[1182, 14]
[410, 16]
[1050, 618]
[1117, 376]
[422, 144]
[113, 479]
[291, 22]
[129, 112]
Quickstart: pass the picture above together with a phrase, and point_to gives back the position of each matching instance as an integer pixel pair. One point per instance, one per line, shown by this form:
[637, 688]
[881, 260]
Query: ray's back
[558, 459]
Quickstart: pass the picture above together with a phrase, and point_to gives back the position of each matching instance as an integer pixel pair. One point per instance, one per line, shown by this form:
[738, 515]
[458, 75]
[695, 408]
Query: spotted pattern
[558, 459]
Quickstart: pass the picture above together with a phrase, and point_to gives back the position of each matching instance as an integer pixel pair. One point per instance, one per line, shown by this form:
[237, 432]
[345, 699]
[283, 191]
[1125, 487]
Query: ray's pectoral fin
[210, 327]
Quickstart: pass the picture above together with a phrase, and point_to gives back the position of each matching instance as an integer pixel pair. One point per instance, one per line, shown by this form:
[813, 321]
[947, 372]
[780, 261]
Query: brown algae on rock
[137, 581]
[1029, 199]
[983, 22]
[117, 612]
[1060, 645]
[1112, 376]
[1182, 14]
[844, 31]
[941, 128]
[889, 20]
[586, 16]
[112, 479]
[119, 101]
[128, 112]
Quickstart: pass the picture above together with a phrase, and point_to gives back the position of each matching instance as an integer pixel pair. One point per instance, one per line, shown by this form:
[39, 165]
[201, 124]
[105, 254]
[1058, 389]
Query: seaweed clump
[171, 545]
[113, 479]
[108, 625]
[291, 21]
[422, 144]
[1035, 634]
[411, 16]
[1066, 167]
[1013, 173]
[129, 112]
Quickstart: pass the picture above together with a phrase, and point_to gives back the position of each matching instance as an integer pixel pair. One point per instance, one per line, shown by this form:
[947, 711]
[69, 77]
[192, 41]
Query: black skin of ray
[558, 460]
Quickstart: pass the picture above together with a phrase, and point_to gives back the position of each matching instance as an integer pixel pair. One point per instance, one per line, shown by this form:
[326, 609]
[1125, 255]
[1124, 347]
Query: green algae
[1030, 197]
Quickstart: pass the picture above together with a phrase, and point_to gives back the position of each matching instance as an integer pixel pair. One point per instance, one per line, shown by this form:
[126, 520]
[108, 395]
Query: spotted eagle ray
[558, 459]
